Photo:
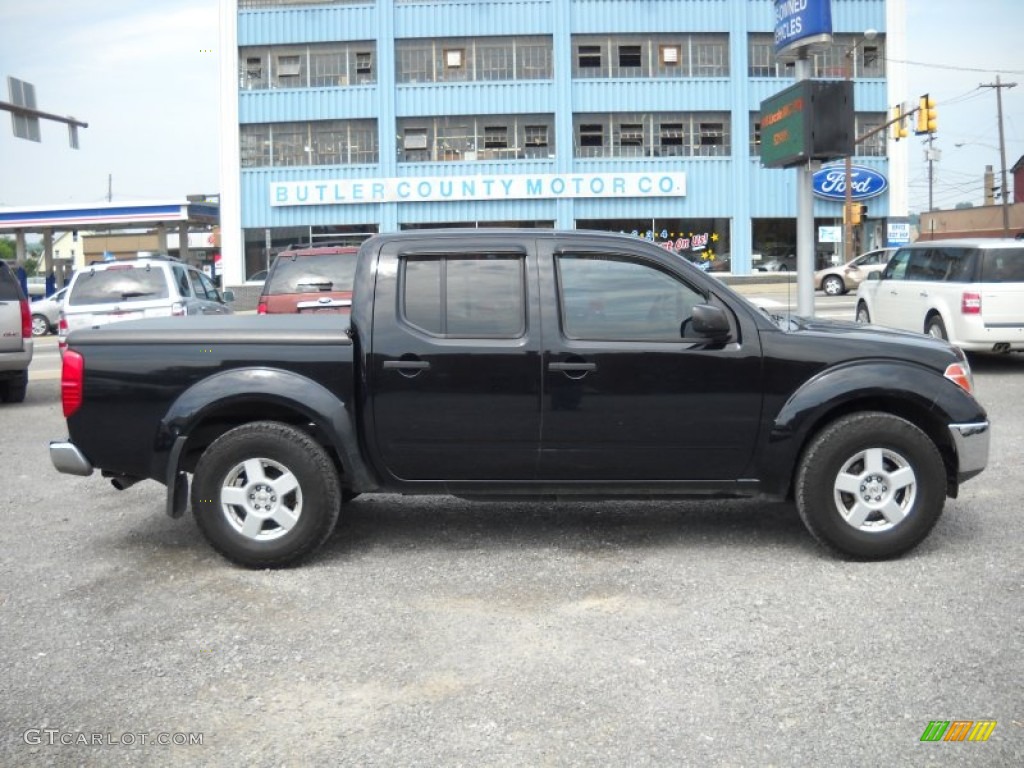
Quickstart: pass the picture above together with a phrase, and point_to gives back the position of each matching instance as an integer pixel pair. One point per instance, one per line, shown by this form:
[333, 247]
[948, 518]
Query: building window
[467, 138]
[319, 142]
[479, 59]
[710, 56]
[321, 65]
[667, 134]
[670, 139]
[364, 66]
[327, 69]
[415, 62]
[875, 144]
[631, 139]
[254, 73]
[630, 57]
[536, 140]
[496, 137]
[591, 140]
[589, 60]
[495, 61]
[678, 55]
[534, 59]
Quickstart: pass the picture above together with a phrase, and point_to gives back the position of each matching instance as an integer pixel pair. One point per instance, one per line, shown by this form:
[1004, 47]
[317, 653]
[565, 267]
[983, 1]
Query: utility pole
[930, 156]
[1002, 148]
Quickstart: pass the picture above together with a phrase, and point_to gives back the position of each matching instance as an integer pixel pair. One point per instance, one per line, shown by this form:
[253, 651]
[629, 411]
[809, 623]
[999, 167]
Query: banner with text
[494, 187]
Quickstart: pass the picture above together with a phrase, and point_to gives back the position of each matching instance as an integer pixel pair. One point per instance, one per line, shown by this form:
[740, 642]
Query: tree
[8, 250]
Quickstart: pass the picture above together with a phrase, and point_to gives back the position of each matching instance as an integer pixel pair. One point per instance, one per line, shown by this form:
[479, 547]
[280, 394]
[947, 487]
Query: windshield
[118, 284]
[307, 274]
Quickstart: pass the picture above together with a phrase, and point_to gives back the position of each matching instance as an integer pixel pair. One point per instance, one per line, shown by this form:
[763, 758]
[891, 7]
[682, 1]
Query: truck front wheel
[871, 486]
[265, 494]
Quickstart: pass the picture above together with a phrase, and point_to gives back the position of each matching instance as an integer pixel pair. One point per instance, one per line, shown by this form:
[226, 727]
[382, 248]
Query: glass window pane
[484, 297]
[421, 294]
[611, 298]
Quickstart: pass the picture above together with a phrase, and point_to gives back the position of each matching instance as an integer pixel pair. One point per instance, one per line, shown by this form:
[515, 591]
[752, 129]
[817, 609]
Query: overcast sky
[144, 77]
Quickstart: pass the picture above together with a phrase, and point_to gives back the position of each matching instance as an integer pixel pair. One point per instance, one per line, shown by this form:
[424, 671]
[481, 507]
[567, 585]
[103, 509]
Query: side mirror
[709, 322]
[874, 274]
[228, 295]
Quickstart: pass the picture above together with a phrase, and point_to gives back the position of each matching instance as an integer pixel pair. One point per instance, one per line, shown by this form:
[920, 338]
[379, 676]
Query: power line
[990, 70]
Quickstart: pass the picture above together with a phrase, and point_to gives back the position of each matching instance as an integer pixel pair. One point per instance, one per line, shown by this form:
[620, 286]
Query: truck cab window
[617, 299]
[470, 296]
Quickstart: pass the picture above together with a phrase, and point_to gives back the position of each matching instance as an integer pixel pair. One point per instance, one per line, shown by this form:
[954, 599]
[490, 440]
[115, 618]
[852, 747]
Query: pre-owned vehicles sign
[801, 22]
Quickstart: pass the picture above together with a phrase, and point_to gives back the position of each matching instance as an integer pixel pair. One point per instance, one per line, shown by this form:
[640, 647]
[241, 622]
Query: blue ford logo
[830, 183]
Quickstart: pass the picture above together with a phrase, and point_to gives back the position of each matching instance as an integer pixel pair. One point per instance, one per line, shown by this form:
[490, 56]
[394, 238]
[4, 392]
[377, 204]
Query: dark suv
[310, 279]
[16, 343]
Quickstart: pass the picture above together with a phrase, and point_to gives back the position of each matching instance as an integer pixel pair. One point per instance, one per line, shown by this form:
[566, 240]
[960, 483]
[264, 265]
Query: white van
[970, 292]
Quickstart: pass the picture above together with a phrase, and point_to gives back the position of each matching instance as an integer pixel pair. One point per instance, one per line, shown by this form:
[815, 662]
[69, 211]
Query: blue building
[641, 116]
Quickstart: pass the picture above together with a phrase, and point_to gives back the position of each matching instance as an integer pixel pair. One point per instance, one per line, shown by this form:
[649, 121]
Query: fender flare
[902, 386]
[255, 385]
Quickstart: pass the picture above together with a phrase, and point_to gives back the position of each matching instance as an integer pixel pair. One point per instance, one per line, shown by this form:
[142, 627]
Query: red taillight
[261, 308]
[970, 303]
[71, 377]
[26, 320]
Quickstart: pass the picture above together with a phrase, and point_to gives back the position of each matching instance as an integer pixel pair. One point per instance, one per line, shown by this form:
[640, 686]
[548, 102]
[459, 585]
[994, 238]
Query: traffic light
[899, 128]
[927, 115]
[855, 214]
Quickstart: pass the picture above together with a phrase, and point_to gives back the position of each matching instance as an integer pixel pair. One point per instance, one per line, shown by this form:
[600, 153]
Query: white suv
[970, 292]
[129, 290]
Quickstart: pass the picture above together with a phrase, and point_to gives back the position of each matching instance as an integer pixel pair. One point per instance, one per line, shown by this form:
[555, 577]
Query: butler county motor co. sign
[541, 186]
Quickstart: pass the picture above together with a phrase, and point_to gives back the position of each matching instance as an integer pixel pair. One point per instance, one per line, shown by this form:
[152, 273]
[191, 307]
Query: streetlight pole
[848, 193]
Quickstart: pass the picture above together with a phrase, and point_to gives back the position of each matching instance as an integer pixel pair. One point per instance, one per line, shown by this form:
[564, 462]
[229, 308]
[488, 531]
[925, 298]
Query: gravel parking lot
[442, 632]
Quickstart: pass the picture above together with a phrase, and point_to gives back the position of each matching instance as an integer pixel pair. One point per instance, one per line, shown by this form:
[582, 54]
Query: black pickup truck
[520, 364]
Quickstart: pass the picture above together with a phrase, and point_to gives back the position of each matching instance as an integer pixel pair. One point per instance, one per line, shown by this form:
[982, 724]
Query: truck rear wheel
[265, 494]
[871, 486]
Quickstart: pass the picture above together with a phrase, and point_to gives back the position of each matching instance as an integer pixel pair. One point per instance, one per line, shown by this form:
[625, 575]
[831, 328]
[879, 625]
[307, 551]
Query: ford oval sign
[830, 183]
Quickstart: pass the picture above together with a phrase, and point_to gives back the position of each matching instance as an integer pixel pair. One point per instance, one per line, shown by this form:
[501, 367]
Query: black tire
[40, 325]
[288, 496]
[833, 285]
[871, 486]
[863, 316]
[937, 328]
[13, 390]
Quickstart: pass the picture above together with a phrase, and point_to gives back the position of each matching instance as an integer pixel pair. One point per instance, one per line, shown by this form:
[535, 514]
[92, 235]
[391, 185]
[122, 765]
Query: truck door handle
[407, 368]
[573, 370]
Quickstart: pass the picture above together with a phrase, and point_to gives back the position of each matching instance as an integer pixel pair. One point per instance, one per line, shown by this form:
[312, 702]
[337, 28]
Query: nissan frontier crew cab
[523, 364]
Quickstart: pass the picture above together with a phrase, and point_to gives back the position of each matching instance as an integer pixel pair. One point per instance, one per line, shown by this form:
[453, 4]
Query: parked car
[46, 313]
[970, 292]
[155, 286]
[500, 363]
[837, 280]
[779, 258]
[309, 279]
[16, 345]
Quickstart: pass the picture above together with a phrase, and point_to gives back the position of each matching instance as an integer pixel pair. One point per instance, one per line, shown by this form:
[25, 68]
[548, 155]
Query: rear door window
[118, 285]
[313, 273]
[471, 296]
